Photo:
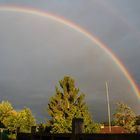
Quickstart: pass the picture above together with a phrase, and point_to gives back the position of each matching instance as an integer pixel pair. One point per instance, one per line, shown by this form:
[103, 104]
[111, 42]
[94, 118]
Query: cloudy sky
[36, 52]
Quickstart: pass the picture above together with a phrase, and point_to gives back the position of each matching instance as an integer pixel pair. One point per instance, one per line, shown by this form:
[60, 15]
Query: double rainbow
[92, 37]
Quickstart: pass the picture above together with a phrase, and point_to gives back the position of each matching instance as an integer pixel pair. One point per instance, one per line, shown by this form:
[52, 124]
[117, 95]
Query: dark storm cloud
[33, 57]
[34, 52]
[112, 21]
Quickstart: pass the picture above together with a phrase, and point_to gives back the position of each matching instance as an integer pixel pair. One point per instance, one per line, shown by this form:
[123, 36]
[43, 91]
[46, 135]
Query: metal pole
[108, 106]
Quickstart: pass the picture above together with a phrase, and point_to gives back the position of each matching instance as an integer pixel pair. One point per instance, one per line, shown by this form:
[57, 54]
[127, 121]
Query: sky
[36, 52]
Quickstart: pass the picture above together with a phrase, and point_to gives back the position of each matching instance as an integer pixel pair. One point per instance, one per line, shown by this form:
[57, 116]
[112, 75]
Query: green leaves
[6, 110]
[66, 104]
[124, 117]
[13, 119]
[25, 120]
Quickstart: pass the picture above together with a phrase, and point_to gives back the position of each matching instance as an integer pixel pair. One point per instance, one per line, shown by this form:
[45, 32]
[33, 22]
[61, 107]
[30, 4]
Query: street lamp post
[108, 106]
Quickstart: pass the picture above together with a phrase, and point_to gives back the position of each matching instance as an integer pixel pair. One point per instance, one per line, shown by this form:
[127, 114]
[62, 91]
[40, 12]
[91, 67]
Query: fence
[23, 136]
[77, 134]
[3, 134]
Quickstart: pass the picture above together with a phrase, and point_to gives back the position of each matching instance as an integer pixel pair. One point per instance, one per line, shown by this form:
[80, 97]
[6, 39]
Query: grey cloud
[34, 58]
[36, 52]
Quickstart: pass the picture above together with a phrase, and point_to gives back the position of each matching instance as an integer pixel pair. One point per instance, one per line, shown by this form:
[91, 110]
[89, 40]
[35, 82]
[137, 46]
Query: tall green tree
[125, 117]
[66, 104]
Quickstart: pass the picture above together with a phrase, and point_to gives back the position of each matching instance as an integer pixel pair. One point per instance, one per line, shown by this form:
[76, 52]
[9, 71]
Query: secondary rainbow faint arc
[79, 29]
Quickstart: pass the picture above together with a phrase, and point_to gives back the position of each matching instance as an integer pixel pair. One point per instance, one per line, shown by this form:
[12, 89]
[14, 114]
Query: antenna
[108, 106]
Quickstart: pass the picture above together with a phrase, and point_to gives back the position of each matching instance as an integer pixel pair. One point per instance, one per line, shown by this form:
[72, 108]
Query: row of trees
[67, 103]
[11, 119]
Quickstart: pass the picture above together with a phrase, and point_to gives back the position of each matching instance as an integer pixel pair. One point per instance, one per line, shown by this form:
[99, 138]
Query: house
[114, 130]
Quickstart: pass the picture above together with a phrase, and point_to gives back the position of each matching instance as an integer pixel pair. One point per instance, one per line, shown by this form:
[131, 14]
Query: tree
[137, 124]
[12, 119]
[67, 104]
[25, 120]
[10, 122]
[6, 110]
[125, 117]
[137, 120]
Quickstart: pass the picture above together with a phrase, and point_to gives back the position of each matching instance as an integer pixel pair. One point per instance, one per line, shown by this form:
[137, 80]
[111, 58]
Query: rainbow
[92, 37]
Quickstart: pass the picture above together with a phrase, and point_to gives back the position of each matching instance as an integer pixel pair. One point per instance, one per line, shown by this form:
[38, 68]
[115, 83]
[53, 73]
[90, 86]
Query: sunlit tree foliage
[125, 117]
[12, 119]
[66, 104]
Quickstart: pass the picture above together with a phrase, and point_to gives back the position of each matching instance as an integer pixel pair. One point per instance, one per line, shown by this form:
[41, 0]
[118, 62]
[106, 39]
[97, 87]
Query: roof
[114, 129]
